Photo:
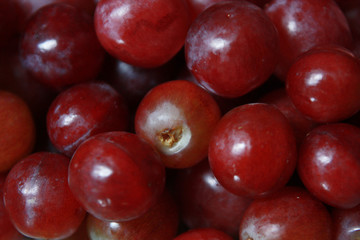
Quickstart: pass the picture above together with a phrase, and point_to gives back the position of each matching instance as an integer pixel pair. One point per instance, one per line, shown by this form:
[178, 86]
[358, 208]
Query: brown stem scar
[169, 136]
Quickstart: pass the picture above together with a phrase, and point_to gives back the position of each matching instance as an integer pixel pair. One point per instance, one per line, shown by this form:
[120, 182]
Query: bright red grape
[231, 48]
[38, 198]
[252, 151]
[177, 118]
[146, 33]
[116, 176]
[83, 111]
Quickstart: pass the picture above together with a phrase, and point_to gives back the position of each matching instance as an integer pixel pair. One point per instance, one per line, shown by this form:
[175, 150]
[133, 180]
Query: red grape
[290, 214]
[177, 119]
[346, 223]
[204, 203]
[38, 198]
[56, 46]
[252, 151]
[304, 24]
[116, 176]
[324, 84]
[17, 132]
[231, 48]
[329, 164]
[83, 111]
[160, 223]
[7, 229]
[146, 33]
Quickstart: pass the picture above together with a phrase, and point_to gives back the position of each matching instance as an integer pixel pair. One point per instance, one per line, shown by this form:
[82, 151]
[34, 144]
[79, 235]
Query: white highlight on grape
[47, 45]
[268, 230]
[314, 78]
[101, 171]
[238, 148]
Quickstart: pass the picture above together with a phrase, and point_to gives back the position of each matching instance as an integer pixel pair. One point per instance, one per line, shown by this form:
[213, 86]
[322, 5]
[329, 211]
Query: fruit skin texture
[290, 214]
[198, 6]
[324, 84]
[142, 33]
[329, 164]
[298, 121]
[252, 150]
[7, 229]
[83, 111]
[116, 176]
[304, 24]
[160, 223]
[346, 223]
[204, 203]
[60, 48]
[177, 118]
[38, 199]
[17, 132]
[203, 234]
[231, 48]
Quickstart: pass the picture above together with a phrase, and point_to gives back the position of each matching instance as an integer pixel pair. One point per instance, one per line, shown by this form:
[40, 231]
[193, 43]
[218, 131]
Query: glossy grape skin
[160, 223]
[60, 47]
[17, 132]
[324, 84]
[329, 164]
[177, 118]
[204, 203]
[290, 214]
[198, 6]
[203, 234]
[144, 34]
[346, 223]
[304, 24]
[231, 48]
[116, 176]
[7, 229]
[252, 150]
[298, 121]
[38, 199]
[83, 111]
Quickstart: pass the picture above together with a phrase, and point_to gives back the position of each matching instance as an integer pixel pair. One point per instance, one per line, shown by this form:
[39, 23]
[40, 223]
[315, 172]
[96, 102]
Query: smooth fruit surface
[116, 176]
[7, 229]
[38, 199]
[329, 164]
[290, 214]
[252, 151]
[346, 223]
[83, 111]
[304, 24]
[17, 132]
[160, 223]
[145, 34]
[56, 45]
[177, 118]
[204, 203]
[324, 84]
[301, 124]
[231, 48]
